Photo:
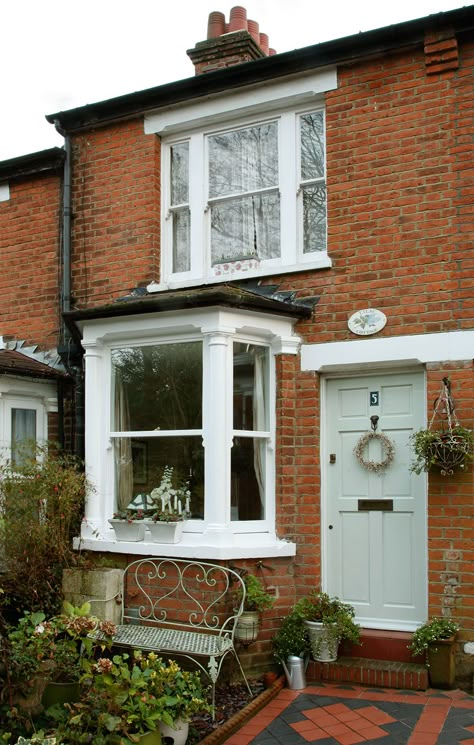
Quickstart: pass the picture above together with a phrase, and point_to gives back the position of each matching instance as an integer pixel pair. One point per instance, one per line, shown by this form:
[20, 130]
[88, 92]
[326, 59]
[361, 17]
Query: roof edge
[230, 296]
[32, 163]
[344, 49]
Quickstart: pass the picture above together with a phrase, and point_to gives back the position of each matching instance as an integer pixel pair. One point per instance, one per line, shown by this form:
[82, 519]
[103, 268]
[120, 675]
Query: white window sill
[193, 546]
[177, 282]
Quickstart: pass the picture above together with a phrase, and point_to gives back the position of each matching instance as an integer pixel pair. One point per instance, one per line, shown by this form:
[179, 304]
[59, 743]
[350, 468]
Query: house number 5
[374, 398]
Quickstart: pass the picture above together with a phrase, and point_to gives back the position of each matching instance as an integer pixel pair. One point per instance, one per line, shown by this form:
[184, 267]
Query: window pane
[247, 488]
[157, 387]
[243, 161]
[180, 173]
[246, 227]
[314, 218]
[312, 146]
[181, 240]
[250, 386]
[139, 465]
[23, 435]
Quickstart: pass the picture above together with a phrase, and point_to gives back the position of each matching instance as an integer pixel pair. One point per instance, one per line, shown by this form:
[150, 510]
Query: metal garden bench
[182, 607]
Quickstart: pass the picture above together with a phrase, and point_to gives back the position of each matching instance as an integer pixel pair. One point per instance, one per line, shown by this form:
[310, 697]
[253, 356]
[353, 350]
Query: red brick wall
[450, 511]
[116, 212]
[29, 249]
[400, 237]
[399, 206]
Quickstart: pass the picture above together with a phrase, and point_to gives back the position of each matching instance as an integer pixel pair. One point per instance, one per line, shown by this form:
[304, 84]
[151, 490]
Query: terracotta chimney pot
[238, 19]
[271, 52]
[215, 25]
[253, 29]
[263, 42]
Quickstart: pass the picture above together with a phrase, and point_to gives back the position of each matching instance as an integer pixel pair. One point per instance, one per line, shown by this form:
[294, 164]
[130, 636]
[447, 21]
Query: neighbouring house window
[24, 407]
[23, 434]
[247, 200]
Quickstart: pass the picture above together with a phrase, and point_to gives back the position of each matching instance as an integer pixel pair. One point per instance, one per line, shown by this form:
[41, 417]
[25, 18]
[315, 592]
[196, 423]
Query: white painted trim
[4, 192]
[392, 351]
[240, 548]
[253, 100]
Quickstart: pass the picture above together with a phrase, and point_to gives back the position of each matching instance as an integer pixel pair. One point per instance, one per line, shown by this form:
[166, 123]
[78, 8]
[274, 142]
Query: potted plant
[184, 694]
[328, 621]
[256, 600]
[125, 699]
[436, 640]
[448, 450]
[291, 647]
[129, 525]
[171, 505]
[52, 654]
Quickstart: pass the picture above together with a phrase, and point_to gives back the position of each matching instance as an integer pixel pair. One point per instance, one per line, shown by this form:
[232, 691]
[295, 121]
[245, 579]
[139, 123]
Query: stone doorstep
[364, 671]
[377, 644]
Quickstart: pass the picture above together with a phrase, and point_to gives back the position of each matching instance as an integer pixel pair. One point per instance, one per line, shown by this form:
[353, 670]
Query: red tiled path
[345, 715]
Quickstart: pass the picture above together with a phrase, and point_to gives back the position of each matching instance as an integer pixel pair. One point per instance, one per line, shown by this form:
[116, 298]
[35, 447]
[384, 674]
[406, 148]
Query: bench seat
[153, 639]
[182, 607]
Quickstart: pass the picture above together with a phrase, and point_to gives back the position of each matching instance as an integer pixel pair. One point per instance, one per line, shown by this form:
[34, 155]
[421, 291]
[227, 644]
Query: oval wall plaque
[367, 321]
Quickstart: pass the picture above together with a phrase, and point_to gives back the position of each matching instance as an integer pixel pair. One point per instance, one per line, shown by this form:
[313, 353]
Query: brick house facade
[396, 108]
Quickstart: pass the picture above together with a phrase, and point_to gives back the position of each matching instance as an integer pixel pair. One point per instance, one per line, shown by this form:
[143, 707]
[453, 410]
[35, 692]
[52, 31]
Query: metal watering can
[295, 672]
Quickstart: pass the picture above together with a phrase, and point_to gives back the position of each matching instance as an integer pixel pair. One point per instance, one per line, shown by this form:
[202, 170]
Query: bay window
[193, 391]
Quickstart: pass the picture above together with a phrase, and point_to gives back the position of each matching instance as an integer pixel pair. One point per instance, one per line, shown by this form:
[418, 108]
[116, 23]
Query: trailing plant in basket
[256, 596]
[435, 630]
[445, 449]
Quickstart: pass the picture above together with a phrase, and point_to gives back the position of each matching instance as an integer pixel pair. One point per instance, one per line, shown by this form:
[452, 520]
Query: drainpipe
[70, 353]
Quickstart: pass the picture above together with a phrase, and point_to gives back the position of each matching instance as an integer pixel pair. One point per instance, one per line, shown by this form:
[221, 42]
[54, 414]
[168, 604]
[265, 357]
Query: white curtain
[123, 447]
[259, 423]
[23, 435]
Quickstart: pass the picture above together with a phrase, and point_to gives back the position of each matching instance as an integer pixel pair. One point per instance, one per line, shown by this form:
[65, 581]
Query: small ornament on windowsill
[387, 446]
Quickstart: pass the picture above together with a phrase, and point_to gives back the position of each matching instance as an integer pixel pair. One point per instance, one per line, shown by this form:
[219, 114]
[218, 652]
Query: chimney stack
[230, 43]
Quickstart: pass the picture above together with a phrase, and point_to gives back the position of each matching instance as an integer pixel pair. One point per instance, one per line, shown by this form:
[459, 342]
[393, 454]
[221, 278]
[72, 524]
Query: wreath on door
[388, 449]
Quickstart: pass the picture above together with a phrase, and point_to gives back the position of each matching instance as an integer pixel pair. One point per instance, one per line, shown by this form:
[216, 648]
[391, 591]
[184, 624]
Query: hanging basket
[450, 453]
[448, 449]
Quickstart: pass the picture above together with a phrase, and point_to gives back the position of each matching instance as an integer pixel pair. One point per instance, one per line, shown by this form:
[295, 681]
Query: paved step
[382, 645]
[364, 671]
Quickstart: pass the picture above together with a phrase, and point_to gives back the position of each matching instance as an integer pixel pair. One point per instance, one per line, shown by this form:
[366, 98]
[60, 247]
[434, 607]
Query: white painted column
[217, 432]
[96, 504]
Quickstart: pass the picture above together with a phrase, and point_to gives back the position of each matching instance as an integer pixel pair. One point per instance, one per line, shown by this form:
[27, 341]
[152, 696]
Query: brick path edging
[234, 723]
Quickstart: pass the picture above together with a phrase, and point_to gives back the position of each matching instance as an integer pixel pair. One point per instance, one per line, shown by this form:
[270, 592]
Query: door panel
[376, 558]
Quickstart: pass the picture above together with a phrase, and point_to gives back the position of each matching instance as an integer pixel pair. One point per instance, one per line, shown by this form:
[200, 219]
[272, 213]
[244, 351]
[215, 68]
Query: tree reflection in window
[313, 185]
[161, 391]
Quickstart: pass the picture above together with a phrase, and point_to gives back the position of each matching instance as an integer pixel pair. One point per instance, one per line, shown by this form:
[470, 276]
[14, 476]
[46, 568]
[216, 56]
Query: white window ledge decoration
[193, 392]
[236, 268]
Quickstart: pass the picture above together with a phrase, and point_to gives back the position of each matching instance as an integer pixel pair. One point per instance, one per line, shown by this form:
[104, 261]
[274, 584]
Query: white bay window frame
[216, 536]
